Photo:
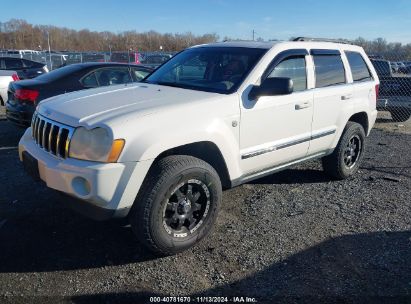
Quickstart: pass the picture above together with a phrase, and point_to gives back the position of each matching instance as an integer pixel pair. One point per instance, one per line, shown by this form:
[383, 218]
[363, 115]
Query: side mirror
[272, 87]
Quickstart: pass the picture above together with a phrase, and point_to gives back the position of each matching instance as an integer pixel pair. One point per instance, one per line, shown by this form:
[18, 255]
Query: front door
[275, 130]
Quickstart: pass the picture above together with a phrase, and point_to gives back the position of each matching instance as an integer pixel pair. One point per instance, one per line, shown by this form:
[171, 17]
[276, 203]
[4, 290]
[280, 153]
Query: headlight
[95, 145]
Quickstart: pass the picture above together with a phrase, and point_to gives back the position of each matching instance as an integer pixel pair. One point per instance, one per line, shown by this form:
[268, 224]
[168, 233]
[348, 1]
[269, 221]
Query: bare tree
[18, 34]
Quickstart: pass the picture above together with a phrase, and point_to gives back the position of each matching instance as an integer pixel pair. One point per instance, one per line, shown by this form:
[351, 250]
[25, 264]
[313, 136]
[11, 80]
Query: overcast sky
[235, 19]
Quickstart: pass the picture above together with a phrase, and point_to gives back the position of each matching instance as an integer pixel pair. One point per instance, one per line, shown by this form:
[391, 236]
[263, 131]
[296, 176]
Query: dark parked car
[382, 67]
[55, 60]
[73, 58]
[26, 69]
[406, 68]
[95, 57]
[394, 92]
[23, 96]
[155, 61]
[125, 57]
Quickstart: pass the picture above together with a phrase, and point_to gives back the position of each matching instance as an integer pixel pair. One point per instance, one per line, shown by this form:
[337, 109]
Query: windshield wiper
[170, 84]
[186, 86]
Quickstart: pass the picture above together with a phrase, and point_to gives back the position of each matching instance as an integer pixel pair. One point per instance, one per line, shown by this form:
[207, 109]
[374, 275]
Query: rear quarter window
[359, 68]
[329, 70]
[60, 73]
[140, 74]
[90, 81]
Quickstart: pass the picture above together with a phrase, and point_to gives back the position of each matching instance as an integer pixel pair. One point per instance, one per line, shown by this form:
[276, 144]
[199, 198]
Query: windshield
[210, 69]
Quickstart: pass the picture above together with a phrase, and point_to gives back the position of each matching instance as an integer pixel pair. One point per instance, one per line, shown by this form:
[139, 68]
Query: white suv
[214, 116]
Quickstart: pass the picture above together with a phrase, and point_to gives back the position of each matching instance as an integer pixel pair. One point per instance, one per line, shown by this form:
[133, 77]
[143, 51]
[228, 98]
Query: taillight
[377, 89]
[15, 77]
[24, 94]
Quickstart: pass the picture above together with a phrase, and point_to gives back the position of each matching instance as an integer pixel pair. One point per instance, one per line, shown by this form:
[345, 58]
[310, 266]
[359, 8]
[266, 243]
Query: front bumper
[100, 190]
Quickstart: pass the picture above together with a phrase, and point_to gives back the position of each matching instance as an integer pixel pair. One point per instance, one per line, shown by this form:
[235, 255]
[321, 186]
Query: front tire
[177, 204]
[347, 156]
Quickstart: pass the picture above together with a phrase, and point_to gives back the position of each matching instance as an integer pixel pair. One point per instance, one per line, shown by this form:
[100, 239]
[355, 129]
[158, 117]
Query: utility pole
[48, 42]
[254, 34]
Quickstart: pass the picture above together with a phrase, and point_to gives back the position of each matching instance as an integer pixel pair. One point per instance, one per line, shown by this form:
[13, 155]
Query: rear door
[333, 99]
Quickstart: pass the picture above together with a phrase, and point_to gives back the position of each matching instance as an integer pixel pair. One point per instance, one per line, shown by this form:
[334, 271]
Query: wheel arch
[362, 119]
[206, 151]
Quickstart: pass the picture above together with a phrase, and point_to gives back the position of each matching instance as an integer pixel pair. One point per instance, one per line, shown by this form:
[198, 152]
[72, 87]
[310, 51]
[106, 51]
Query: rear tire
[177, 204]
[400, 115]
[347, 156]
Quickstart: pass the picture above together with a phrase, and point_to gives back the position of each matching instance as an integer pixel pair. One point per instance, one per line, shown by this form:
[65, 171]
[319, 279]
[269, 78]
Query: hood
[93, 106]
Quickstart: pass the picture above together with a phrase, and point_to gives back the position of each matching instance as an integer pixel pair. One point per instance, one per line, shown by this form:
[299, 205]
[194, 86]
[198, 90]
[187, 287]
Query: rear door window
[359, 69]
[329, 70]
[111, 76]
[107, 76]
[90, 81]
[293, 68]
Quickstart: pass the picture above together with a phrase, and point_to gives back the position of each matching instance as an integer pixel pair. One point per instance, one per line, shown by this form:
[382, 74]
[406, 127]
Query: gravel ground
[295, 236]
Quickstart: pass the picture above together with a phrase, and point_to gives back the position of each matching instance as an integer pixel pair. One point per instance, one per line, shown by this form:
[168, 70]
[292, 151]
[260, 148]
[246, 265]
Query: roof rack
[235, 40]
[322, 40]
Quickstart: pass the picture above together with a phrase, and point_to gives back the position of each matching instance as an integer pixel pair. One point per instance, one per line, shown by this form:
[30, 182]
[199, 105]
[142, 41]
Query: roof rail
[322, 40]
[238, 40]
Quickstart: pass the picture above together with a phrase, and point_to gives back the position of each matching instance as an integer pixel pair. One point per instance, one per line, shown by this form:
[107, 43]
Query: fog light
[81, 186]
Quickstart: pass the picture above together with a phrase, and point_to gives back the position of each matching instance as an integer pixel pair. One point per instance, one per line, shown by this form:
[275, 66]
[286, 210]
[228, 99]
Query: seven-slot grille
[51, 136]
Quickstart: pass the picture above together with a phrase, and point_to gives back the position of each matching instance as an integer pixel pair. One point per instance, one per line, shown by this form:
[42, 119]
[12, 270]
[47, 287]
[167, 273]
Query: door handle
[346, 97]
[302, 105]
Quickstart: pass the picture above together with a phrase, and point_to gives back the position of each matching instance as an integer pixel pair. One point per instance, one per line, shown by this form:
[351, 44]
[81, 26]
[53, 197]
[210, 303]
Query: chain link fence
[394, 72]
[55, 60]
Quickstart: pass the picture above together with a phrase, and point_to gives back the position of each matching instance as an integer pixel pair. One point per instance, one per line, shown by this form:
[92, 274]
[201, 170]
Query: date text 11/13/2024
[237, 299]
